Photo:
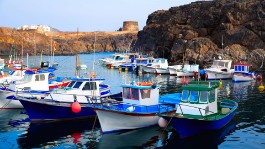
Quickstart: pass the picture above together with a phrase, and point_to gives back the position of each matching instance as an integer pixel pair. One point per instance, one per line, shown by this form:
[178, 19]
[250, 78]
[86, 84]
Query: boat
[220, 69]
[159, 65]
[82, 87]
[34, 85]
[136, 63]
[199, 110]
[173, 69]
[188, 70]
[242, 73]
[138, 108]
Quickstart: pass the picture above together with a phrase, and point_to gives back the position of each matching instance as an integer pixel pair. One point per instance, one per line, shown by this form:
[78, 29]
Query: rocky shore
[196, 32]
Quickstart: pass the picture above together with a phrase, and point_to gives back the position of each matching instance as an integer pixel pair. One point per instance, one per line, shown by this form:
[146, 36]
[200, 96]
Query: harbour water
[247, 130]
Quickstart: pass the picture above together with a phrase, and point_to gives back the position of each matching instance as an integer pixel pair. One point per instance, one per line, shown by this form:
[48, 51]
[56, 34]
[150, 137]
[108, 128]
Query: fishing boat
[173, 69]
[64, 105]
[136, 63]
[188, 70]
[199, 110]
[138, 108]
[220, 69]
[242, 73]
[34, 85]
[13, 75]
[159, 65]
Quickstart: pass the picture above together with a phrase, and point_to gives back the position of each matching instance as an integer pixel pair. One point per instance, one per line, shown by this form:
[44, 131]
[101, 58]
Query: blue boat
[59, 104]
[138, 108]
[199, 110]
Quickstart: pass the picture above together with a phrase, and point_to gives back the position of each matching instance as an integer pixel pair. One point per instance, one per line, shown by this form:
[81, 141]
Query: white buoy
[162, 122]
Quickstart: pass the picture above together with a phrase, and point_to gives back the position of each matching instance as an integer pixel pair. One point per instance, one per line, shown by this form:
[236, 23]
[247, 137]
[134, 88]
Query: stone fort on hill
[130, 26]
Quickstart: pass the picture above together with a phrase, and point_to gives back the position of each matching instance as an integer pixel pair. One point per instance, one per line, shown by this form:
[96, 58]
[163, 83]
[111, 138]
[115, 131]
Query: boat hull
[39, 110]
[238, 77]
[188, 127]
[162, 71]
[218, 75]
[9, 103]
[172, 71]
[181, 74]
[147, 69]
[112, 121]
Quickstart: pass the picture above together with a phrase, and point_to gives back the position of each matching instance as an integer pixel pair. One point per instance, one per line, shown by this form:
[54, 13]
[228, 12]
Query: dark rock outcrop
[196, 31]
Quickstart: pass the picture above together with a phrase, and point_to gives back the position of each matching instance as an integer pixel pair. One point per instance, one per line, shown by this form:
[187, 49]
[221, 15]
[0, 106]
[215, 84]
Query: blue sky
[87, 15]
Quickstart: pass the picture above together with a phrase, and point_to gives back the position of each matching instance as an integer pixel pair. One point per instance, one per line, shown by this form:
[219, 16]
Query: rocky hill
[204, 30]
[67, 43]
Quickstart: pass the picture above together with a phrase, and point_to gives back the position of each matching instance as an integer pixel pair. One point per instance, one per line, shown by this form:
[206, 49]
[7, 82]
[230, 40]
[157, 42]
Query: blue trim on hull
[41, 111]
[189, 127]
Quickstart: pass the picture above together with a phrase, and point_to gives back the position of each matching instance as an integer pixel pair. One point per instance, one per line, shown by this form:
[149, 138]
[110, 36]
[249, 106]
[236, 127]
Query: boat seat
[225, 110]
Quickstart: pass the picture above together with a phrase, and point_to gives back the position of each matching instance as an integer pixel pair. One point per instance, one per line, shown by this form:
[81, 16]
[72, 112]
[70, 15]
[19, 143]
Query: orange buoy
[76, 108]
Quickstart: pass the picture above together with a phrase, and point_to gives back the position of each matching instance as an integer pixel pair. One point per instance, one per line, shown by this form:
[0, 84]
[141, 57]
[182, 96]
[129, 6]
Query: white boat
[242, 73]
[104, 61]
[33, 85]
[159, 65]
[188, 70]
[220, 69]
[140, 103]
[13, 75]
[83, 88]
[173, 69]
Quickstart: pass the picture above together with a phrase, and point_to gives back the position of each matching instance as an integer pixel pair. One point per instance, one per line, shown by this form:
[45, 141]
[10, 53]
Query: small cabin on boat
[198, 98]
[140, 93]
[31, 81]
[241, 67]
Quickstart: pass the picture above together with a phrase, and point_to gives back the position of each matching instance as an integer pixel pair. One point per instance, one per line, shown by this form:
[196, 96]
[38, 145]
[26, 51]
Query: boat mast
[94, 52]
[76, 56]
[35, 51]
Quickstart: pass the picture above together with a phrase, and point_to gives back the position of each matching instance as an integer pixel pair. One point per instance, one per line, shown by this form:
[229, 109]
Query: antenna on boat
[94, 52]
[76, 56]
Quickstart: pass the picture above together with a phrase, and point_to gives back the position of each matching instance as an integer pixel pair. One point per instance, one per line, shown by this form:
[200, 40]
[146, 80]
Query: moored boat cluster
[196, 109]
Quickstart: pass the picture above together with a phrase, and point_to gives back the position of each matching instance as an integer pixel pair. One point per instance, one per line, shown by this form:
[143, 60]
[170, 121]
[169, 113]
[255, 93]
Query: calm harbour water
[247, 130]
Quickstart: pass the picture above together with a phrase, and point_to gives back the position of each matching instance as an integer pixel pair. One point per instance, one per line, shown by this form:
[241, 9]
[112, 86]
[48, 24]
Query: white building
[44, 28]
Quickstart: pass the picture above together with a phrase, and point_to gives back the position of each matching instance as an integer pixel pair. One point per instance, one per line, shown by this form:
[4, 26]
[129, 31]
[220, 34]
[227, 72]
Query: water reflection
[51, 134]
[139, 138]
[207, 140]
[13, 120]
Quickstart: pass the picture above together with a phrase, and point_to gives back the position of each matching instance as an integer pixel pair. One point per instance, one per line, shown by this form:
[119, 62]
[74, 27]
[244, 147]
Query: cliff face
[66, 42]
[196, 32]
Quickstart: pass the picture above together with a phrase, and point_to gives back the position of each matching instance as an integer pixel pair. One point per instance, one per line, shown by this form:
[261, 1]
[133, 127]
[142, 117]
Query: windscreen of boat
[156, 61]
[120, 58]
[185, 95]
[27, 78]
[145, 93]
[90, 86]
[194, 96]
[71, 84]
[212, 96]
[117, 57]
[77, 84]
[11, 72]
[204, 97]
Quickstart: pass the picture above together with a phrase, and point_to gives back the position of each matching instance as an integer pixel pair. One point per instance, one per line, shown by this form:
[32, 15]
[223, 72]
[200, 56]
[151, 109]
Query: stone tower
[130, 26]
